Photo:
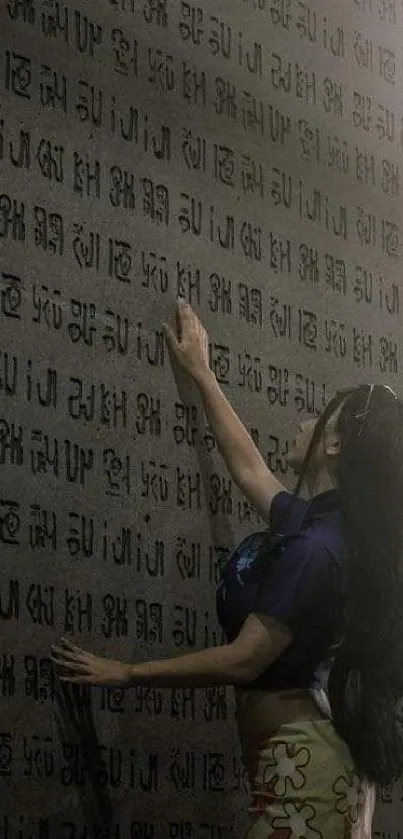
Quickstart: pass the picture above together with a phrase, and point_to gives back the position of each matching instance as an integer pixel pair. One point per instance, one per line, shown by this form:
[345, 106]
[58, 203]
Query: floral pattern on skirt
[306, 787]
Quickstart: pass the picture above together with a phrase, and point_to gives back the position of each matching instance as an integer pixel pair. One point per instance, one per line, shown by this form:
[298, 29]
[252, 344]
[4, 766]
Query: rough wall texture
[247, 156]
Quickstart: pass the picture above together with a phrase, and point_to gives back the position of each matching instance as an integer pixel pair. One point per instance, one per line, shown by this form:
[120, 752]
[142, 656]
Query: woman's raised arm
[243, 459]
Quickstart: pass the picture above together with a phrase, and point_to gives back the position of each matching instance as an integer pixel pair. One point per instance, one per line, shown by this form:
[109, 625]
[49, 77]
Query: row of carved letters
[326, 336]
[84, 536]
[103, 404]
[227, 101]
[13, 828]
[33, 678]
[285, 388]
[108, 616]
[16, 827]
[53, 15]
[281, 12]
[245, 238]
[123, 476]
[106, 766]
[228, 167]
[115, 768]
[158, 273]
[149, 416]
[215, 34]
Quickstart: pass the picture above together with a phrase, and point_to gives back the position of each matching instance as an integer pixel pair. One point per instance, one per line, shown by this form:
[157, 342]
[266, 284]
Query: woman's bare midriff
[260, 714]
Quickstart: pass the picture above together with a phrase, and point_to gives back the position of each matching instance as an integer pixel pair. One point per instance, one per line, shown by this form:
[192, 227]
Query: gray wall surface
[246, 155]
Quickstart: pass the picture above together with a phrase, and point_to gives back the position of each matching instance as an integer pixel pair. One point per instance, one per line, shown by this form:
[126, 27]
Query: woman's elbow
[246, 670]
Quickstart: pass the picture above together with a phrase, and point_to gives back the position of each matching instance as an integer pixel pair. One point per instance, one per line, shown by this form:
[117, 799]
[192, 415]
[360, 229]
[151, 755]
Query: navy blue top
[303, 586]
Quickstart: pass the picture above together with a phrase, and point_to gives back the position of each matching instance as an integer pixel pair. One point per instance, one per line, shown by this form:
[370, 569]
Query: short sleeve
[301, 587]
[287, 511]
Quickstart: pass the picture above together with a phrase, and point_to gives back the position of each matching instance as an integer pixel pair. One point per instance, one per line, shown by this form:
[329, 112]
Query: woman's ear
[333, 443]
[333, 438]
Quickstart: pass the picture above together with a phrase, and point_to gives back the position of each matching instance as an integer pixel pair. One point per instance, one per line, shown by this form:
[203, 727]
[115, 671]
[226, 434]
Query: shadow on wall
[75, 725]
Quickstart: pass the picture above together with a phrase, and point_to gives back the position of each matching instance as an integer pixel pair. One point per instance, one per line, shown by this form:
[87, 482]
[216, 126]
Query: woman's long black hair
[366, 681]
[366, 678]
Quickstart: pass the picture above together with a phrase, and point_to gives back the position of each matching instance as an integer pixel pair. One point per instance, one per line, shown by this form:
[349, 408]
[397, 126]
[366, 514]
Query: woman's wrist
[131, 675]
[203, 377]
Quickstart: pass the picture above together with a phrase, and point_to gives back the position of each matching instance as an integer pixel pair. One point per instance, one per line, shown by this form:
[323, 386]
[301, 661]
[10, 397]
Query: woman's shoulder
[288, 512]
[329, 537]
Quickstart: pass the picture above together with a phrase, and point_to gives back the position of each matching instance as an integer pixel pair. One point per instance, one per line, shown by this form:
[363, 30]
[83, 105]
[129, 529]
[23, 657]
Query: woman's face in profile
[300, 445]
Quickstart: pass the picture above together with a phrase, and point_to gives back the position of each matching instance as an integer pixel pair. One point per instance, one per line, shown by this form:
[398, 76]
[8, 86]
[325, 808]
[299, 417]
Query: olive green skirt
[306, 787]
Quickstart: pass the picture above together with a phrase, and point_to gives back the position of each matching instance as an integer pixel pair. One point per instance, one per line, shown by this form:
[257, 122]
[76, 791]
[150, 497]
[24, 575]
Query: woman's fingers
[60, 652]
[171, 338]
[185, 318]
[178, 319]
[183, 308]
[66, 643]
[74, 667]
[67, 661]
[190, 341]
[73, 664]
[63, 657]
[59, 656]
[74, 680]
[182, 316]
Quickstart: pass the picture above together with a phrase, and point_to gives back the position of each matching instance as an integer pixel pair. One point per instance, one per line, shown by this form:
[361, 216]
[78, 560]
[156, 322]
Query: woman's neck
[319, 483]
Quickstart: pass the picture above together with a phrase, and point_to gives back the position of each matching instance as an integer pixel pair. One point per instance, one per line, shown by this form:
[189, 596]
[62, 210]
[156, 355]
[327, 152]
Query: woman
[323, 583]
